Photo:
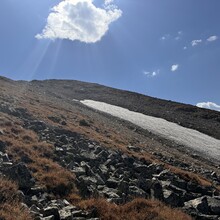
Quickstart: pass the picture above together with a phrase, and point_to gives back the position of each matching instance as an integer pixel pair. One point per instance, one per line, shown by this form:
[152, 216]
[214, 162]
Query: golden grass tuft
[190, 176]
[10, 207]
[57, 179]
[39, 157]
[138, 209]
[14, 211]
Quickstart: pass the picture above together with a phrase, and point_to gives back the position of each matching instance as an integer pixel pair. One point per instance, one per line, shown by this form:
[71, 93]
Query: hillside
[60, 159]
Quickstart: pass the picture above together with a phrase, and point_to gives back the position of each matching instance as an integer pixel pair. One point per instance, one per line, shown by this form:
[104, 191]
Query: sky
[168, 49]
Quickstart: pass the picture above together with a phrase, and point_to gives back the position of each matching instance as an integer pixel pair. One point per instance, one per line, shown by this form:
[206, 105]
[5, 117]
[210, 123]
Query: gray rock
[172, 198]
[99, 179]
[78, 213]
[79, 171]
[137, 192]
[109, 193]
[65, 215]
[51, 217]
[123, 187]
[88, 156]
[156, 190]
[198, 204]
[193, 187]
[21, 175]
[88, 180]
[112, 183]
[37, 125]
[2, 146]
[145, 184]
[37, 190]
[51, 211]
[141, 168]
[180, 183]
[103, 169]
[214, 205]
[5, 158]
[133, 148]
[35, 209]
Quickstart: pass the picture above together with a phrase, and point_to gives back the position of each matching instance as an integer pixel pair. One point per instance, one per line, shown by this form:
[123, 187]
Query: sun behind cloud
[79, 20]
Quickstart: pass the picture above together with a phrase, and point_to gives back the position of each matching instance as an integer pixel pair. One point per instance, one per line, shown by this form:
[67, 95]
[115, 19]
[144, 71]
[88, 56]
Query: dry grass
[10, 207]
[39, 157]
[14, 211]
[190, 176]
[8, 191]
[73, 197]
[138, 209]
[58, 180]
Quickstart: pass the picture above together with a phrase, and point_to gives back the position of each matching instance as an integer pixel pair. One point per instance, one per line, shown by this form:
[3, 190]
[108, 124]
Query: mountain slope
[57, 149]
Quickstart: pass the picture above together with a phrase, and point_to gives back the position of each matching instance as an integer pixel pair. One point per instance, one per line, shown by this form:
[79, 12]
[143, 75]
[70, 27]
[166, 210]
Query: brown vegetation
[57, 180]
[10, 206]
[138, 209]
[40, 159]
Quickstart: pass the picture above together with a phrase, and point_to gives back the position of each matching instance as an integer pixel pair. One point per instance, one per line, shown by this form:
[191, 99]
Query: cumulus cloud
[196, 42]
[79, 20]
[174, 67]
[151, 74]
[209, 105]
[185, 48]
[212, 38]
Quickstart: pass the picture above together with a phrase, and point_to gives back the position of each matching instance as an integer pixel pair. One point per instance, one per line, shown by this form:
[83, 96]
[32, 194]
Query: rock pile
[113, 175]
[102, 172]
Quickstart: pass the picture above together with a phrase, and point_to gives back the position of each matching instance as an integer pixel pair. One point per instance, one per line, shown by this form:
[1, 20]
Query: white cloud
[165, 37]
[107, 2]
[196, 42]
[151, 74]
[79, 20]
[184, 48]
[172, 37]
[180, 33]
[212, 38]
[174, 67]
[209, 105]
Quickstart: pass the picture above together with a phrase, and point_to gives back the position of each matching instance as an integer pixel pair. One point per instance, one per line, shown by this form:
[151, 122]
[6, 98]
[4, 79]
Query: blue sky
[166, 49]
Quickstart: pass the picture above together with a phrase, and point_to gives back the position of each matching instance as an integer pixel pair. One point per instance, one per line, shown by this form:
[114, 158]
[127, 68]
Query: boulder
[2, 146]
[172, 198]
[156, 190]
[133, 148]
[214, 205]
[21, 175]
[143, 169]
[199, 205]
[137, 192]
[112, 183]
[37, 125]
[51, 211]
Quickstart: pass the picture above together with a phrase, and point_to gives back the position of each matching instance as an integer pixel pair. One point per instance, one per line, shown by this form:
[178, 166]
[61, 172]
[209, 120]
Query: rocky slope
[55, 154]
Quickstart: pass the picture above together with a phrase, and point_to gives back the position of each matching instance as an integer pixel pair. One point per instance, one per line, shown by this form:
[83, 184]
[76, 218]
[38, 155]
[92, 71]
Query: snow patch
[190, 138]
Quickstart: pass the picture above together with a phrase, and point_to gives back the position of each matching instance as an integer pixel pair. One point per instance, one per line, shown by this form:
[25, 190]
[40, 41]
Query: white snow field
[202, 143]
